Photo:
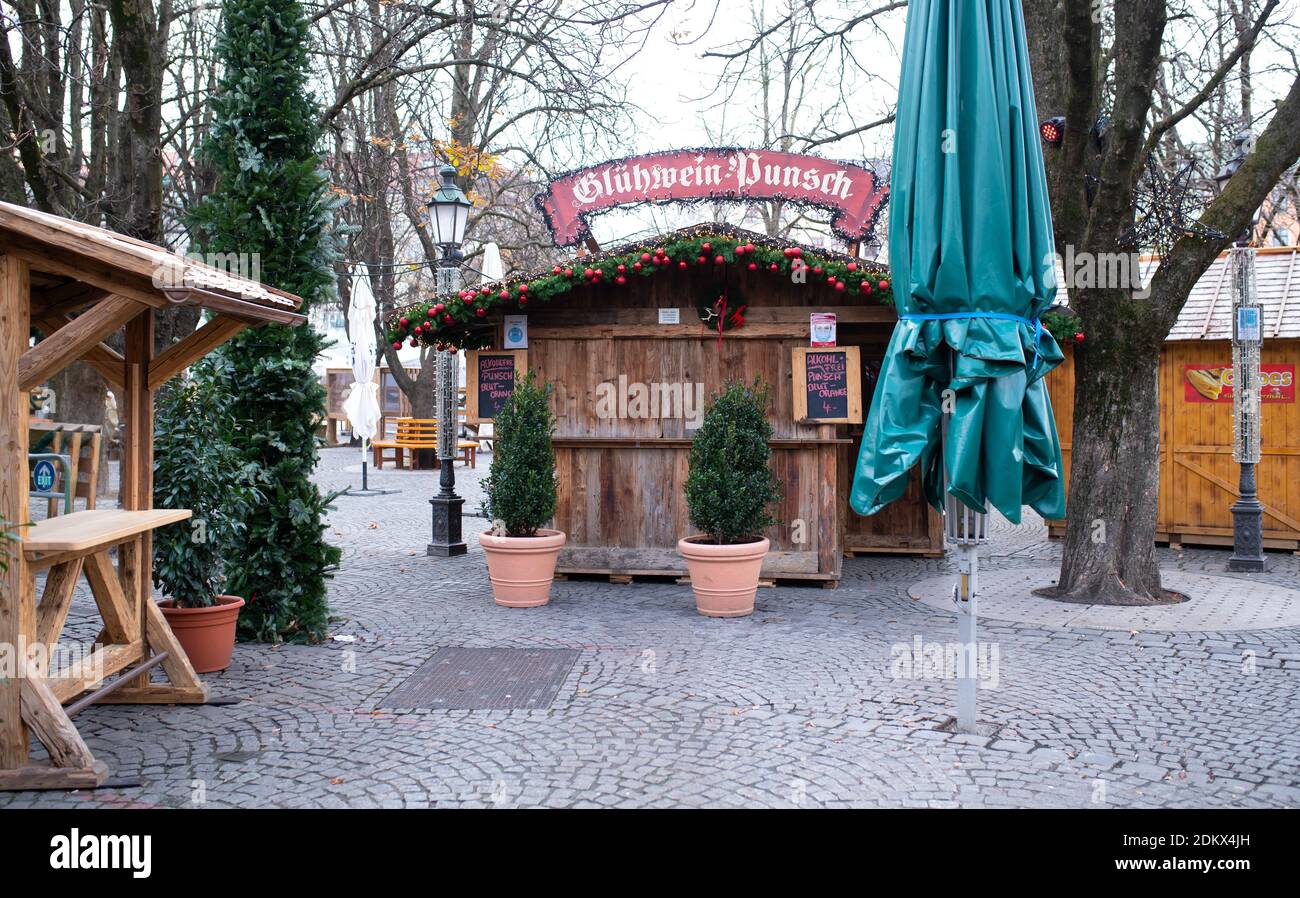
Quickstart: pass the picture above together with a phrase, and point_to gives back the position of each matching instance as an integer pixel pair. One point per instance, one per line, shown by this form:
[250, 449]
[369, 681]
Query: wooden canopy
[79, 285]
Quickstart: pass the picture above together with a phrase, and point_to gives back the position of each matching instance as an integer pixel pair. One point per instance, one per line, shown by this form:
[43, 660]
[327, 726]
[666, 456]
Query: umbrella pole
[366, 491]
[966, 528]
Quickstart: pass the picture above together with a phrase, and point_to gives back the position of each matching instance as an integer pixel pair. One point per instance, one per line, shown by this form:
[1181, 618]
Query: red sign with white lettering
[853, 192]
[1213, 383]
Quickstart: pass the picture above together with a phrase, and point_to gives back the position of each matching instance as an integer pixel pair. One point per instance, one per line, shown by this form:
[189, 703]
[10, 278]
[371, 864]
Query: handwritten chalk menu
[490, 378]
[828, 385]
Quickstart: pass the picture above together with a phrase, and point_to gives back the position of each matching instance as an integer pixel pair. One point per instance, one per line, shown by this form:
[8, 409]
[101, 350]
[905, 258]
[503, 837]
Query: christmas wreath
[721, 308]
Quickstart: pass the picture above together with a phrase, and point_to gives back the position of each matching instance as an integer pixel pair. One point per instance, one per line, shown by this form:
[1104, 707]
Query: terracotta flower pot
[206, 634]
[522, 568]
[725, 578]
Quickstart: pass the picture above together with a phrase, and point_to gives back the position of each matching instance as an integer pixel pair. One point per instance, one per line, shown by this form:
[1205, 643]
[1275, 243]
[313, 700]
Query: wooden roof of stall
[1207, 315]
[75, 264]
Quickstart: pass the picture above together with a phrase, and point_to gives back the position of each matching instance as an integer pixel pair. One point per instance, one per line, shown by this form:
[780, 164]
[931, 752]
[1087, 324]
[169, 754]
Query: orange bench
[411, 435]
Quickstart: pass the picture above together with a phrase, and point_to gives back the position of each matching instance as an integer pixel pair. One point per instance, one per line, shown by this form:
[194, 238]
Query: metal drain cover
[463, 679]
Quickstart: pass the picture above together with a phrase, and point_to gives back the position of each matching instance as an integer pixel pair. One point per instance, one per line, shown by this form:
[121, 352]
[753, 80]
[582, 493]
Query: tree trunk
[1109, 555]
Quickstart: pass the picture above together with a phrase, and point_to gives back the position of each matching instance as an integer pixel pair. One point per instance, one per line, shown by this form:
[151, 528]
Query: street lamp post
[448, 214]
[1247, 338]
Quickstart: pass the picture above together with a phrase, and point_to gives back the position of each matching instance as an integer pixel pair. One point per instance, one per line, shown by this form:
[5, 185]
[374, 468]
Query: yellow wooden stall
[1198, 477]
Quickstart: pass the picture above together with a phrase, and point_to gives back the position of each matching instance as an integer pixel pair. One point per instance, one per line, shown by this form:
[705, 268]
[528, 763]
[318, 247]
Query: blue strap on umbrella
[1035, 323]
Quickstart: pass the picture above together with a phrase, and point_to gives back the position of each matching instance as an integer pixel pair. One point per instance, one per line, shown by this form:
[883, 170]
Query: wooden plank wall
[1198, 477]
[622, 479]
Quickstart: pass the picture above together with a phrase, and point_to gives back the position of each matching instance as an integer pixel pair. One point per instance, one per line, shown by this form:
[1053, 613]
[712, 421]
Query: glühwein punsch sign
[855, 194]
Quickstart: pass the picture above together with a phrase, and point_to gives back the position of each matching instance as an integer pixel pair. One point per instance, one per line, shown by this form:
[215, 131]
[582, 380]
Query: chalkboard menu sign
[828, 385]
[490, 378]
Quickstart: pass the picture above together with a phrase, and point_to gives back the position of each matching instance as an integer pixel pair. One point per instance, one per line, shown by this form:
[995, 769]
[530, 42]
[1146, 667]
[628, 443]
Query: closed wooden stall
[1198, 477]
[623, 461]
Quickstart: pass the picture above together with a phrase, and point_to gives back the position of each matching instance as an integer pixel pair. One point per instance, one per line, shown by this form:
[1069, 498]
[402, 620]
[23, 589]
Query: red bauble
[866, 288]
[753, 266]
[839, 285]
[481, 312]
[702, 260]
[620, 280]
[774, 267]
[447, 319]
[636, 266]
[707, 247]
[718, 260]
[831, 280]
[415, 342]
[588, 273]
[486, 290]
[555, 270]
[568, 272]
[504, 294]
[681, 265]
[1078, 338]
[397, 345]
[786, 252]
[431, 313]
[740, 250]
[796, 252]
[884, 285]
[438, 307]
[404, 322]
[622, 269]
[645, 257]
[852, 266]
[523, 288]
[817, 269]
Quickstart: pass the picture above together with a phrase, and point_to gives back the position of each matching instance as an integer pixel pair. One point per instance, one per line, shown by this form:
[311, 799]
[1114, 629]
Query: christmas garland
[457, 321]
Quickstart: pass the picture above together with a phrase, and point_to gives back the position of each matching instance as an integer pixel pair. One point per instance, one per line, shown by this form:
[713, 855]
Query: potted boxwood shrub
[196, 467]
[520, 498]
[728, 492]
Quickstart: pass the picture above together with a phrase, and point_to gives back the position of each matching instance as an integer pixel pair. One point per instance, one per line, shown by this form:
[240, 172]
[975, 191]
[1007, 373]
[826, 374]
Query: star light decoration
[1164, 210]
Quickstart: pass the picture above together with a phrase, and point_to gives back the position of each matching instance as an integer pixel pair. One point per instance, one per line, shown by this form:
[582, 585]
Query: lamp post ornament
[448, 214]
[1247, 339]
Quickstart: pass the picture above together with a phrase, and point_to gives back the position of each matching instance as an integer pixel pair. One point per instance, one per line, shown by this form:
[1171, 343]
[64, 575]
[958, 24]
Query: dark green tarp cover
[970, 231]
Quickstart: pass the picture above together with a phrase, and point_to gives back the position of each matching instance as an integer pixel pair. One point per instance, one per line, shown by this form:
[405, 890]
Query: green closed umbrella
[971, 252]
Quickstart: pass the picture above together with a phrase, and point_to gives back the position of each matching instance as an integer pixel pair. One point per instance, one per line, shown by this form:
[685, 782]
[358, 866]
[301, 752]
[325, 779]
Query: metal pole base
[447, 541]
[362, 494]
[1248, 538]
[1247, 527]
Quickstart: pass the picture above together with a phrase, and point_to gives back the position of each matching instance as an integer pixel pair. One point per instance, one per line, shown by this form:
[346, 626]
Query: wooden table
[134, 629]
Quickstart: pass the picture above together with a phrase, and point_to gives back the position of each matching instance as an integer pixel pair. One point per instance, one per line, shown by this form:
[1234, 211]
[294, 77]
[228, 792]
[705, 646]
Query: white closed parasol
[362, 404]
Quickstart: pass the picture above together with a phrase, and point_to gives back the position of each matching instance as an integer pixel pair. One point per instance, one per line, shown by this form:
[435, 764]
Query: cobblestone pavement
[798, 705]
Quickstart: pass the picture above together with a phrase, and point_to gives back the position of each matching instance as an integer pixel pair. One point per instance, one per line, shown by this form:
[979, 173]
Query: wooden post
[135, 567]
[135, 559]
[17, 617]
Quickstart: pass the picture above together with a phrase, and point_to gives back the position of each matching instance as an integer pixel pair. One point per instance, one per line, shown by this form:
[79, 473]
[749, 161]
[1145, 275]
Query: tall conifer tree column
[272, 204]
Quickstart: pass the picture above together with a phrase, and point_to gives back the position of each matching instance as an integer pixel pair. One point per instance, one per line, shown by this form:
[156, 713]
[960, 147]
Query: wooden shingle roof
[1208, 312]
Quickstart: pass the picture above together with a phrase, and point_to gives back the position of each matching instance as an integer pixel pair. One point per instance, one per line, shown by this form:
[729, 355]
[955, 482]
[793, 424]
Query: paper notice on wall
[516, 332]
[822, 329]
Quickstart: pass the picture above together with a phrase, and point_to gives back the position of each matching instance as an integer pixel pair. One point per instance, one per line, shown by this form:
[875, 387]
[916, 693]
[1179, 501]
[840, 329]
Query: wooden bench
[80, 442]
[410, 436]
